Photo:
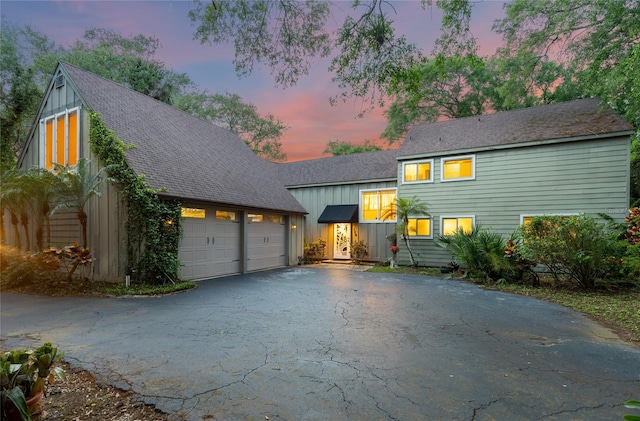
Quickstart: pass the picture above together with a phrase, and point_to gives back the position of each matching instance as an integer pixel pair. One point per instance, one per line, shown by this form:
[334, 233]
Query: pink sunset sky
[304, 108]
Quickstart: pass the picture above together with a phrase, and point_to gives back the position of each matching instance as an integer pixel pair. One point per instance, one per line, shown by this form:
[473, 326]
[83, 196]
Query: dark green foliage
[153, 224]
[339, 147]
[486, 255]
[577, 248]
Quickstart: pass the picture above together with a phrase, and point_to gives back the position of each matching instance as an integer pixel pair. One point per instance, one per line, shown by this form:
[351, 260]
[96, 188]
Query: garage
[266, 235]
[210, 244]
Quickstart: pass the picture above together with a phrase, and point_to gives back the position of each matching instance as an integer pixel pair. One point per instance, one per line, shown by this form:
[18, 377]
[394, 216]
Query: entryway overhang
[339, 213]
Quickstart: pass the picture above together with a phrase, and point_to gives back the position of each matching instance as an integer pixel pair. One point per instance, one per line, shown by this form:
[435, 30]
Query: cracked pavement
[316, 343]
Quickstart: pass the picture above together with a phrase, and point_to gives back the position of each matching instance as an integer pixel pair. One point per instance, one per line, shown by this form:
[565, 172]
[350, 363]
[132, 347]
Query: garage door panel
[266, 248]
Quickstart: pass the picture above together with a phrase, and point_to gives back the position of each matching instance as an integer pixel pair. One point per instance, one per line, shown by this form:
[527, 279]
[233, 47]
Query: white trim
[54, 136]
[423, 237]
[418, 162]
[443, 217]
[530, 215]
[360, 208]
[456, 158]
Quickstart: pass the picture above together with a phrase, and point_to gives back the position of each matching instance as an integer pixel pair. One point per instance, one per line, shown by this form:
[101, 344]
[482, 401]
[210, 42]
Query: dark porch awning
[339, 213]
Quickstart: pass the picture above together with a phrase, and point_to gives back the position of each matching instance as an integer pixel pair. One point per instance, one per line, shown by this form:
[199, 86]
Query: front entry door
[342, 241]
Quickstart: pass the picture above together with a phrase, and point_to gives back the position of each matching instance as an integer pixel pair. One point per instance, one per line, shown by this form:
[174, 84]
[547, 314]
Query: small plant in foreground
[632, 404]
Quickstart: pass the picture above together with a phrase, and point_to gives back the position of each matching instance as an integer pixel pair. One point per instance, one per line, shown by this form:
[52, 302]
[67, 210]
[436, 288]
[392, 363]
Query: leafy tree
[125, 60]
[289, 36]
[79, 184]
[285, 34]
[407, 208]
[598, 38]
[19, 96]
[11, 200]
[40, 188]
[339, 147]
[261, 133]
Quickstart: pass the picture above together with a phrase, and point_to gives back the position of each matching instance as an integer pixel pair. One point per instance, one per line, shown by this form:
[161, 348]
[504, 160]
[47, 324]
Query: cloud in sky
[304, 108]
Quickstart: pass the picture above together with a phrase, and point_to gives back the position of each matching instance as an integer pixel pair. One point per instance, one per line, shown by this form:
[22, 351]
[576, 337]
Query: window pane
[466, 224]
[73, 138]
[410, 172]
[60, 140]
[48, 148]
[458, 168]
[449, 226]
[276, 219]
[424, 227]
[192, 213]
[412, 227]
[225, 215]
[255, 218]
[369, 206]
[388, 198]
[526, 220]
[424, 171]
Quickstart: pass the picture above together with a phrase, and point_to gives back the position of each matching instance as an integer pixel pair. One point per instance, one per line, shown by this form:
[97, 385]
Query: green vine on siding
[153, 225]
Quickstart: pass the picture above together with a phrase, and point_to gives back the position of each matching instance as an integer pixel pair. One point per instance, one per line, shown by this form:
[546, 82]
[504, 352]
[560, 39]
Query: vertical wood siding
[588, 177]
[106, 215]
[315, 199]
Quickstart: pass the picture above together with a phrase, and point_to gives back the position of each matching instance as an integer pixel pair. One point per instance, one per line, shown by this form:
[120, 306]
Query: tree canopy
[27, 58]
[340, 147]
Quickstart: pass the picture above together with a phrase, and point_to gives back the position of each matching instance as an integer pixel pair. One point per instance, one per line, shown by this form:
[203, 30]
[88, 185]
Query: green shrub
[480, 252]
[18, 269]
[576, 248]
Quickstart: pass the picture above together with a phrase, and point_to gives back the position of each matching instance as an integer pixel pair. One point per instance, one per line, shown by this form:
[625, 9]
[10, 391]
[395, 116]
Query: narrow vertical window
[48, 144]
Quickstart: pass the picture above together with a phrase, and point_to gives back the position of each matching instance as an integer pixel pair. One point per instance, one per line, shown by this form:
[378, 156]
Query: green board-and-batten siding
[106, 214]
[316, 198]
[565, 178]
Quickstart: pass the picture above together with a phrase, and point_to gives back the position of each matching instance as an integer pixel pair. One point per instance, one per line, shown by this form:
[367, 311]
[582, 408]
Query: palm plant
[41, 188]
[406, 208]
[79, 185]
[14, 199]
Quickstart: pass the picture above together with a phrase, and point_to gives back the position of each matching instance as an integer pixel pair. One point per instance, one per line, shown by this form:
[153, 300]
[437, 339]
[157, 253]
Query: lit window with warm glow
[225, 215]
[255, 218]
[59, 139]
[453, 224]
[419, 227]
[377, 205]
[458, 168]
[192, 213]
[276, 219]
[417, 172]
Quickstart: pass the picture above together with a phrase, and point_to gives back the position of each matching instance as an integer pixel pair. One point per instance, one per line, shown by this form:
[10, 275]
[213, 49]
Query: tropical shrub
[633, 226]
[359, 250]
[314, 251]
[18, 269]
[479, 252]
[576, 248]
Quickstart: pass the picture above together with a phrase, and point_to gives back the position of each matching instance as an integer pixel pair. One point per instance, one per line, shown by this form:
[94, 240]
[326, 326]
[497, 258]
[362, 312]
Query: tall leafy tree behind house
[341, 147]
[261, 132]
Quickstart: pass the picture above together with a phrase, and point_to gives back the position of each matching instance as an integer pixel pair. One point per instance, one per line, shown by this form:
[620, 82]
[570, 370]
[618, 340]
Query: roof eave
[516, 145]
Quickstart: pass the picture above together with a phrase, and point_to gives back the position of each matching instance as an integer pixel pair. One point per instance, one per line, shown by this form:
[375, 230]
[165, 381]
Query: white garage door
[210, 244]
[267, 242]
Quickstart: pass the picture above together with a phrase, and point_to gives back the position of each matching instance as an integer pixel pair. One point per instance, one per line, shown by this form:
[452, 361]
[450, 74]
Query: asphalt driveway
[314, 343]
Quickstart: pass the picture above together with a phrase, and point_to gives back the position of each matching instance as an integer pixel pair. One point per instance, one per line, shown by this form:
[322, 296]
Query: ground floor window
[420, 227]
[449, 225]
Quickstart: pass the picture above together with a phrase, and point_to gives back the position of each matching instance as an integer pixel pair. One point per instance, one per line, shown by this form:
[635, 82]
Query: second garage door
[267, 241]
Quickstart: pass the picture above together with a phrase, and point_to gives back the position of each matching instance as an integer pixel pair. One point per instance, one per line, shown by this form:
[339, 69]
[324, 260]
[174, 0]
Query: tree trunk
[16, 230]
[82, 217]
[47, 224]
[24, 219]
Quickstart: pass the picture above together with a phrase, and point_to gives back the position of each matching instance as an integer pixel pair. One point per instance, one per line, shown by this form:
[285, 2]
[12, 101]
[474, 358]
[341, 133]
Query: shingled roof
[361, 167]
[191, 158]
[566, 120]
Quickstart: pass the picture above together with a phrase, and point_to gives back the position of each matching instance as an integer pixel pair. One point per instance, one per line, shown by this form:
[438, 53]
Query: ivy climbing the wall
[153, 224]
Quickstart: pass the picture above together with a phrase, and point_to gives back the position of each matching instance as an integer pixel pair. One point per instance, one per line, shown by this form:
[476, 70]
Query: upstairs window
[417, 172]
[458, 168]
[376, 204]
[59, 139]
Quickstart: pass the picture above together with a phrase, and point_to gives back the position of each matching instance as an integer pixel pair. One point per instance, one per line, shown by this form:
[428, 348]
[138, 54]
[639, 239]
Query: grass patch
[406, 270]
[120, 289]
